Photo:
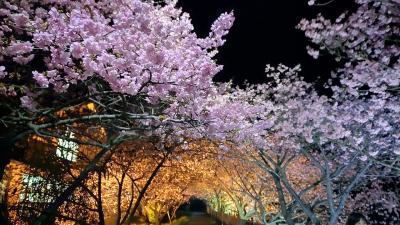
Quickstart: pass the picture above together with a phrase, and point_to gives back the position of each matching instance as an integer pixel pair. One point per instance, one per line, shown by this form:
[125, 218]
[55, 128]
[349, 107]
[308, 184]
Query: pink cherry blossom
[3, 73]
[18, 48]
[41, 79]
[28, 102]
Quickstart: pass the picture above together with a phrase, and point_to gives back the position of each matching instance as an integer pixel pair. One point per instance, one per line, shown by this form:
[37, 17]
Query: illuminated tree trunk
[335, 212]
[174, 209]
[130, 202]
[119, 195]
[169, 216]
[306, 209]
[49, 214]
[99, 200]
[148, 182]
[282, 202]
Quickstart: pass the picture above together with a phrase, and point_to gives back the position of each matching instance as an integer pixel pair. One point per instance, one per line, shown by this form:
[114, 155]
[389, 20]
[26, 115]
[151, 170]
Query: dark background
[264, 32]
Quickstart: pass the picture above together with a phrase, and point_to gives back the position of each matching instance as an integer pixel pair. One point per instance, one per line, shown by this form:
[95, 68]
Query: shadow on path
[194, 212]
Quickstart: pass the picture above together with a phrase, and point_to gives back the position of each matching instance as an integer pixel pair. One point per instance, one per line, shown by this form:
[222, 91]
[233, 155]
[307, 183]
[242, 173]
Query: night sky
[264, 32]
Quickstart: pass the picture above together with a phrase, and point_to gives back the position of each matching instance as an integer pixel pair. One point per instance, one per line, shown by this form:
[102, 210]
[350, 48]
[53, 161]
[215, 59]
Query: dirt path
[201, 219]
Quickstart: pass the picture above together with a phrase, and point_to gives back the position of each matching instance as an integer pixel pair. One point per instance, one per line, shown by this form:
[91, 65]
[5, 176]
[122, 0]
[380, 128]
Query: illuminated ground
[201, 219]
[195, 218]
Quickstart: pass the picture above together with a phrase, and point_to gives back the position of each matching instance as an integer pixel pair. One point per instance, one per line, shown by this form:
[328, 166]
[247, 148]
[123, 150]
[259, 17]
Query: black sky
[264, 32]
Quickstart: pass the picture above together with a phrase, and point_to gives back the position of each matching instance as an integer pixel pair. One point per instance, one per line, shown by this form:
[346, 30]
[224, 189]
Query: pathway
[199, 218]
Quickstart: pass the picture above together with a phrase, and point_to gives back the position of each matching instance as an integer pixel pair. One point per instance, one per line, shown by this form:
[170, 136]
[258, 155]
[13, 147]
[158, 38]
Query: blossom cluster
[366, 41]
[134, 46]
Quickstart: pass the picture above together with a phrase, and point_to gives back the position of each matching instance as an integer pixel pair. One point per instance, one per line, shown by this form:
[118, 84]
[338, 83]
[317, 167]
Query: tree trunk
[128, 210]
[148, 182]
[4, 214]
[333, 218]
[169, 217]
[7, 142]
[100, 201]
[49, 214]
[306, 209]
[119, 196]
[282, 202]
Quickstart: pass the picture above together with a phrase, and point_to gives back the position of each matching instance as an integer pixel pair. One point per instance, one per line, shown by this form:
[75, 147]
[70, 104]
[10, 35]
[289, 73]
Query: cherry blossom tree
[129, 56]
[341, 145]
[140, 63]
[171, 186]
[365, 41]
[135, 71]
[253, 197]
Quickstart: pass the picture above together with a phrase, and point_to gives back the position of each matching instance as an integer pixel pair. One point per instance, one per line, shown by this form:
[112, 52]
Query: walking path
[199, 218]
